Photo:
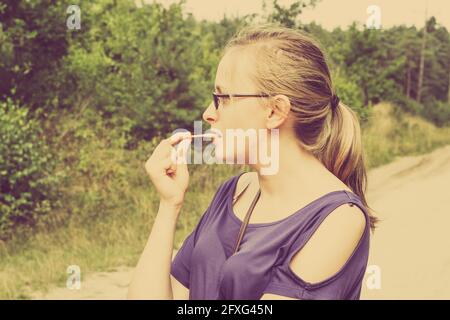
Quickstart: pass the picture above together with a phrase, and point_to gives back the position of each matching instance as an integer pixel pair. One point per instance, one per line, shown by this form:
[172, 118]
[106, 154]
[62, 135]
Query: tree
[287, 16]
[422, 63]
[366, 58]
[35, 41]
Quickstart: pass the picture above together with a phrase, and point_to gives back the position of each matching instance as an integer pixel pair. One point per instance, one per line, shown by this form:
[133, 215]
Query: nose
[210, 114]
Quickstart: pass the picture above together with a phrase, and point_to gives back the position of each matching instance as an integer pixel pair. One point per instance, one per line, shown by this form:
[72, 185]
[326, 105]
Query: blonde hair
[289, 62]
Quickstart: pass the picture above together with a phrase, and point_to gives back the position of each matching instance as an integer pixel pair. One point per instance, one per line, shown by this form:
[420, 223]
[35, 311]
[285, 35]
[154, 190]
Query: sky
[331, 13]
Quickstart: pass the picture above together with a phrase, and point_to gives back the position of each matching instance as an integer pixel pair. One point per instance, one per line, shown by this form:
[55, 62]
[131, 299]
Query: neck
[298, 168]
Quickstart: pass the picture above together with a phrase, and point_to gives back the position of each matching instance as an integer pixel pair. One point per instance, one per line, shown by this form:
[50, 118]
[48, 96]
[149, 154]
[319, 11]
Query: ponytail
[342, 154]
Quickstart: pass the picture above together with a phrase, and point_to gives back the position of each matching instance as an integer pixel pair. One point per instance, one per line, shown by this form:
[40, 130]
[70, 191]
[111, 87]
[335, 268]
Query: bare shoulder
[348, 216]
[331, 245]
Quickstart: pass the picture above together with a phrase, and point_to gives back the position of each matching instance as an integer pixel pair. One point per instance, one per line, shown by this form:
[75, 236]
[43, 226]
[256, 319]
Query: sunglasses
[216, 97]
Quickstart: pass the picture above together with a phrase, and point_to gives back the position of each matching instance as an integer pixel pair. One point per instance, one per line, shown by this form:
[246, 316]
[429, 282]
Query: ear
[279, 108]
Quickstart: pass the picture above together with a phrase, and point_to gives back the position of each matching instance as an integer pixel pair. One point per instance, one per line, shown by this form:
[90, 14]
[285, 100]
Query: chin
[231, 155]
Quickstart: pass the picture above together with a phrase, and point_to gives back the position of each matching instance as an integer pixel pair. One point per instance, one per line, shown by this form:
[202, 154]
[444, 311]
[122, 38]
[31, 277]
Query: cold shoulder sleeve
[344, 285]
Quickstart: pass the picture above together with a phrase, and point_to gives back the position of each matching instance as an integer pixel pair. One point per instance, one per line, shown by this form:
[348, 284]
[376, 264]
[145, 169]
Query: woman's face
[239, 120]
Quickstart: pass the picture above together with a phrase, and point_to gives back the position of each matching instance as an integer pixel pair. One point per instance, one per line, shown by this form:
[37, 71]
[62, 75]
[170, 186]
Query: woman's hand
[167, 169]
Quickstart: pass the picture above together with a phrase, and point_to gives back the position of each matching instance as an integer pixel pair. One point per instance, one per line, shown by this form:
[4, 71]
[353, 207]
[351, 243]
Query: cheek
[242, 116]
[234, 122]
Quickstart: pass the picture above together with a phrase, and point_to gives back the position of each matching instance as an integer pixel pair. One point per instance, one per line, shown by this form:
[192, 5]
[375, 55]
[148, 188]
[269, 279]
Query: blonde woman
[308, 224]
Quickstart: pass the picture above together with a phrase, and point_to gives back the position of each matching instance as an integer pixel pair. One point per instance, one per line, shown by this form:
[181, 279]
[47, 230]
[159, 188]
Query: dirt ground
[410, 251]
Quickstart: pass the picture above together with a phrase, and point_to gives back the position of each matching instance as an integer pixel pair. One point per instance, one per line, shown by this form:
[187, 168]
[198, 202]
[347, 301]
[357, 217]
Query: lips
[217, 132]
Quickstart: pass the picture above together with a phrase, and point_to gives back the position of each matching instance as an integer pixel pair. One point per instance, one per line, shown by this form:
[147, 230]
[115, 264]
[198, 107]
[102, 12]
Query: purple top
[205, 263]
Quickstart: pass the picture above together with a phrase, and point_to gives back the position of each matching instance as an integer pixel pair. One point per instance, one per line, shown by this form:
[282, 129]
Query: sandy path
[410, 249]
[412, 245]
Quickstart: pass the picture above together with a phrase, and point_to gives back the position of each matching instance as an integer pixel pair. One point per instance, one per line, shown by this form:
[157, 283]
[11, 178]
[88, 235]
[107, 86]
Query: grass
[392, 134]
[111, 205]
[115, 239]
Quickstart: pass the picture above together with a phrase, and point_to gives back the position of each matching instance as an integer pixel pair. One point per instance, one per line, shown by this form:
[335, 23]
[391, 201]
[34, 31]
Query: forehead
[235, 71]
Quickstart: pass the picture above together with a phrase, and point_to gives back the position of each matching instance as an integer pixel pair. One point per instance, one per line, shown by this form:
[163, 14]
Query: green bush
[95, 165]
[431, 109]
[407, 104]
[350, 94]
[438, 112]
[25, 170]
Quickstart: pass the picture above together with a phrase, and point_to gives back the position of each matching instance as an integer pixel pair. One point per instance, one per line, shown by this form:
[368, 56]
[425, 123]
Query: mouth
[216, 132]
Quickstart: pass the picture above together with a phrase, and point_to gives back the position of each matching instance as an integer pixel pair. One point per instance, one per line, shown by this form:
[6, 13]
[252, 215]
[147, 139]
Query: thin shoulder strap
[245, 222]
[237, 196]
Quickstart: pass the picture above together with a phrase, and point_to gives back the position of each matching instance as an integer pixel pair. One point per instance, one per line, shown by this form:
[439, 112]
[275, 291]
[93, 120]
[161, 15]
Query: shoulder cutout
[331, 245]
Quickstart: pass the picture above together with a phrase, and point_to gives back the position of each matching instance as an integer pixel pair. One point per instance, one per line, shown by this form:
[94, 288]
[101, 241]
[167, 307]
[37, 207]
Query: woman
[308, 233]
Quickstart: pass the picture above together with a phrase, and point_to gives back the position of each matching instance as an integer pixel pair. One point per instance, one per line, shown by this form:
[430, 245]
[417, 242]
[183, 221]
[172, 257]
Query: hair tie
[334, 101]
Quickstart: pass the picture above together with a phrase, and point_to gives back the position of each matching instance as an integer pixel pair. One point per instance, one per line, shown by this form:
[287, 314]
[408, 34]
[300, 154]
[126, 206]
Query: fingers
[181, 169]
[165, 147]
[179, 158]
[167, 164]
[178, 154]
[166, 157]
[183, 140]
[177, 137]
[182, 151]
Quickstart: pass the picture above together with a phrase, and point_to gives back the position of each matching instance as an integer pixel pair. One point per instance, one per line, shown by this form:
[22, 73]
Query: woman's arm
[152, 279]
[169, 174]
[180, 292]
